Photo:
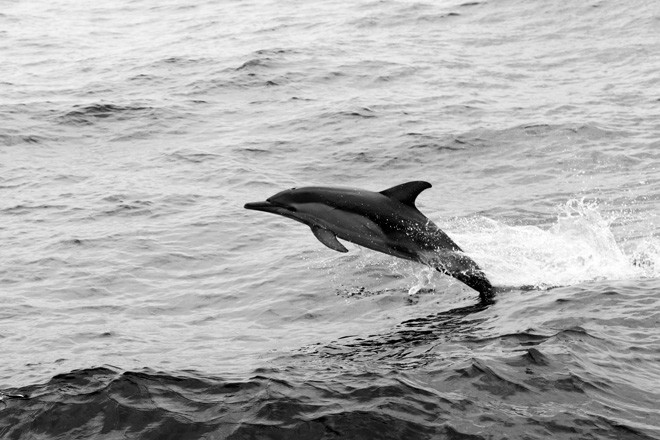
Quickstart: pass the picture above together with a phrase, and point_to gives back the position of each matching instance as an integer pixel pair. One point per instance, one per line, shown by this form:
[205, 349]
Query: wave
[10, 140]
[88, 114]
[105, 402]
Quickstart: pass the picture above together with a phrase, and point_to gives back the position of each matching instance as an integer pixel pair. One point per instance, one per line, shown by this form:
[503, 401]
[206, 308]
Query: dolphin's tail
[477, 280]
[464, 269]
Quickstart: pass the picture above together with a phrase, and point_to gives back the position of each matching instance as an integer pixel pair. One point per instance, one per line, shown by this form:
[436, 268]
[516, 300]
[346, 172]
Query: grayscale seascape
[141, 300]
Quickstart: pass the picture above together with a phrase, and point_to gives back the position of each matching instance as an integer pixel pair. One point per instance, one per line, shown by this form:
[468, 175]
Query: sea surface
[141, 301]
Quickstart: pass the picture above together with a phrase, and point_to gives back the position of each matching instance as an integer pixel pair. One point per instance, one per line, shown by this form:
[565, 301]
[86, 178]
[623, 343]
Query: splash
[578, 247]
[424, 279]
[646, 256]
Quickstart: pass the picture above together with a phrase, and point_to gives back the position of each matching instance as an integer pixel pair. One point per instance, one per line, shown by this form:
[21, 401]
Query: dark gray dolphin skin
[386, 221]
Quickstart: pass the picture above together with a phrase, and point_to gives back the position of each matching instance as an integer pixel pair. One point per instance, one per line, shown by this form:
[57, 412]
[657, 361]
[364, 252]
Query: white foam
[578, 247]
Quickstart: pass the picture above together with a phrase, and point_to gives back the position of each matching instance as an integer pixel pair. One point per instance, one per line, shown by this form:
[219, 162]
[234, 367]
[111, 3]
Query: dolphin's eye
[290, 208]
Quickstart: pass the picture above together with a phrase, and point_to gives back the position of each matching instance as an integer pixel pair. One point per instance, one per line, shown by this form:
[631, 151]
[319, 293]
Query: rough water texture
[140, 300]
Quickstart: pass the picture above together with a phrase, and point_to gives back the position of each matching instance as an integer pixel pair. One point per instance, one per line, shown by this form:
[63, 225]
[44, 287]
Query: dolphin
[387, 221]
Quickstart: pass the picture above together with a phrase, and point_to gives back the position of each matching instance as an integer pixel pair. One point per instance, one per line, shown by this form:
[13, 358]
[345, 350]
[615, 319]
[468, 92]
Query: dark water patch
[407, 16]
[419, 141]
[298, 98]
[244, 79]
[401, 345]
[363, 112]
[134, 208]
[466, 109]
[123, 206]
[190, 156]
[115, 198]
[374, 160]
[73, 242]
[262, 68]
[135, 135]
[369, 73]
[341, 116]
[279, 148]
[275, 52]
[176, 201]
[584, 131]
[329, 77]
[164, 70]
[525, 133]
[173, 261]
[256, 63]
[256, 151]
[10, 140]
[144, 78]
[25, 209]
[179, 61]
[361, 157]
[5, 186]
[436, 18]
[69, 178]
[89, 114]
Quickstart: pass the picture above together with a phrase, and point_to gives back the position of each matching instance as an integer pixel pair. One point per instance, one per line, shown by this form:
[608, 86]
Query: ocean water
[140, 300]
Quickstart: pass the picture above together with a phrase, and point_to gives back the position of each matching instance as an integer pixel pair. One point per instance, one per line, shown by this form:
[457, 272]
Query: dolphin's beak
[273, 207]
[261, 206]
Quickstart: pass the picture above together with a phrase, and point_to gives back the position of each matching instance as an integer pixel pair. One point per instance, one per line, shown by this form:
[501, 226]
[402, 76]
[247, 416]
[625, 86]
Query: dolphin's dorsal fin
[328, 238]
[406, 193]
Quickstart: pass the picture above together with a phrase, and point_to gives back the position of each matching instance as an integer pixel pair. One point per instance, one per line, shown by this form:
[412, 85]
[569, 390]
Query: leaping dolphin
[386, 221]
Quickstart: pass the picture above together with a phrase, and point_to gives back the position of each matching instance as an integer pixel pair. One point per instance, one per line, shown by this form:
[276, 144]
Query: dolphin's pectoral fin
[328, 238]
[406, 193]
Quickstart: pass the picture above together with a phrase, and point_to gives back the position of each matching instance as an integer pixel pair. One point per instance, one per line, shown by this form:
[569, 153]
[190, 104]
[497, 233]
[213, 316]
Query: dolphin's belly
[401, 239]
[352, 227]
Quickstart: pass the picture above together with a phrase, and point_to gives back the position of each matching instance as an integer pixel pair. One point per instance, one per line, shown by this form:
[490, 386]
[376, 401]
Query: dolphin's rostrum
[386, 221]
